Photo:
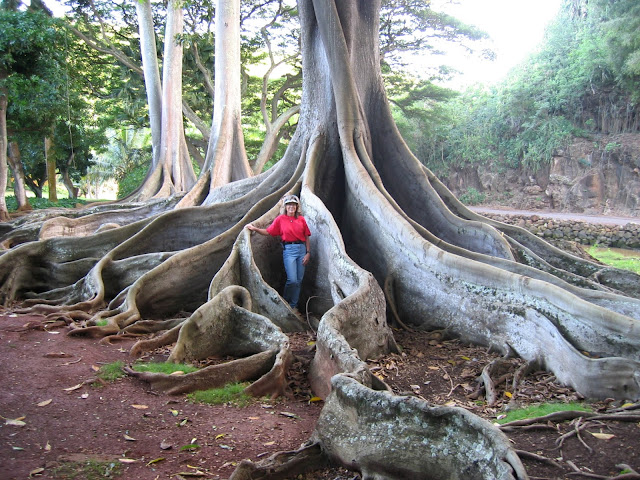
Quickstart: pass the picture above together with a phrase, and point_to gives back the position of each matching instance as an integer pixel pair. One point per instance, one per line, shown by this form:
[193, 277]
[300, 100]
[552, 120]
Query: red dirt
[124, 420]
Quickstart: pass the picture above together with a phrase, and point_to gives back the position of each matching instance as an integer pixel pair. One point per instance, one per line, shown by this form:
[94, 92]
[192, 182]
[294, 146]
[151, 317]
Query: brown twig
[539, 458]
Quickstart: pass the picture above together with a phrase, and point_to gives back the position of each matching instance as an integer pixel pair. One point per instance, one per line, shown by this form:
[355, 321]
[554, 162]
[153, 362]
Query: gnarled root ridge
[223, 326]
[394, 437]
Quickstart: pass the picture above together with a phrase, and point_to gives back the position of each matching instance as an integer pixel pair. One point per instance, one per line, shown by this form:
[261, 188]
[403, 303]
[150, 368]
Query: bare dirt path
[595, 219]
[59, 423]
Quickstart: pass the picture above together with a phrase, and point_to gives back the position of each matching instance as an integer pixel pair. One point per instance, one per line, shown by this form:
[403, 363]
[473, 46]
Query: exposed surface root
[283, 465]
[214, 376]
[167, 338]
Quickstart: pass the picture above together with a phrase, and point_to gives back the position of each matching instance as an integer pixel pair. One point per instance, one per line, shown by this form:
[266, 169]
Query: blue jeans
[292, 256]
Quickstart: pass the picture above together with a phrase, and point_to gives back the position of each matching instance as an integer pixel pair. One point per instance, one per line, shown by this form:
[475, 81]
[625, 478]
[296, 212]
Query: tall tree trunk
[72, 190]
[4, 213]
[172, 172]
[51, 169]
[226, 159]
[19, 189]
[151, 70]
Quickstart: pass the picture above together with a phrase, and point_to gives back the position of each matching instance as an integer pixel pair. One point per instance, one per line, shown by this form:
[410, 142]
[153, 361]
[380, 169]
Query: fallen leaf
[95, 368]
[165, 445]
[127, 437]
[269, 444]
[431, 367]
[84, 395]
[45, 402]
[290, 415]
[140, 407]
[315, 399]
[220, 435]
[464, 358]
[36, 471]
[254, 418]
[508, 394]
[16, 422]
[17, 448]
[177, 373]
[71, 389]
[127, 460]
[603, 436]
[226, 447]
[175, 413]
[155, 460]
[47, 447]
[191, 446]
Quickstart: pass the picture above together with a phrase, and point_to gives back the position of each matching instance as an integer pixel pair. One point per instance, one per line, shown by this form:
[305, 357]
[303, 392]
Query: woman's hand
[252, 228]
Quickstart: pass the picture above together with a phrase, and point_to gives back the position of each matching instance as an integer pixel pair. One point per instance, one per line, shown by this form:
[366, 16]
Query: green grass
[231, 393]
[111, 371]
[541, 410]
[89, 470]
[168, 368]
[40, 203]
[616, 258]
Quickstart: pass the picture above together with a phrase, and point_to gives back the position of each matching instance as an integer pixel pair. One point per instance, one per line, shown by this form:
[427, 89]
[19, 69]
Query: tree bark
[151, 70]
[19, 189]
[226, 159]
[51, 170]
[4, 213]
[172, 171]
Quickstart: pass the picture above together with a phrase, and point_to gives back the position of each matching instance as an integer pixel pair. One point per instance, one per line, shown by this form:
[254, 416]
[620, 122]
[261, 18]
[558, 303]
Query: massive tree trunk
[378, 218]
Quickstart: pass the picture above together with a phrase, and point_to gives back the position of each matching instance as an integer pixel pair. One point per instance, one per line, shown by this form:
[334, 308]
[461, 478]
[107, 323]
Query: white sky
[516, 28]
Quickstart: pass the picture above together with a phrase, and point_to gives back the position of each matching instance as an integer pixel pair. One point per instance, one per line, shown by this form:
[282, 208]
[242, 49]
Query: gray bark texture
[378, 218]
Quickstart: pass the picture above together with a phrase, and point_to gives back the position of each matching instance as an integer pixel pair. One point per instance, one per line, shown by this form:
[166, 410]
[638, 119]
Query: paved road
[602, 220]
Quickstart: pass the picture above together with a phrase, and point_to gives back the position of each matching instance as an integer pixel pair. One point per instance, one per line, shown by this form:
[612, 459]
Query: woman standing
[292, 229]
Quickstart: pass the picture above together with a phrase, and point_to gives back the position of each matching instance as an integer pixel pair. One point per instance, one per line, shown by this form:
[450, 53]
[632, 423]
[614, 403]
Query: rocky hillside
[595, 176]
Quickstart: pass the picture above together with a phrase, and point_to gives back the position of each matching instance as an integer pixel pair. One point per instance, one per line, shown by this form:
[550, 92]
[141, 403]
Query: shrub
[472, 197]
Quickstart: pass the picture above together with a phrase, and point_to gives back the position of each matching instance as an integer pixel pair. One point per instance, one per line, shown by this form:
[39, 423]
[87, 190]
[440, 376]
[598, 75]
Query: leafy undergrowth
[42, 203]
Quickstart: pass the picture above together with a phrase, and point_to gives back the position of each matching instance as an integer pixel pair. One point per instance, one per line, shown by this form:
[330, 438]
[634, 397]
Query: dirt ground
[57, 419]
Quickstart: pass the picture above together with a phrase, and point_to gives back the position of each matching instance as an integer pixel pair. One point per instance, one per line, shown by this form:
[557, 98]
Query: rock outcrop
[596, 176]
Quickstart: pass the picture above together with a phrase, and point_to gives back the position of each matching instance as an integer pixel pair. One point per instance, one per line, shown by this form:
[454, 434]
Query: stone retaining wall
[627, 236]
